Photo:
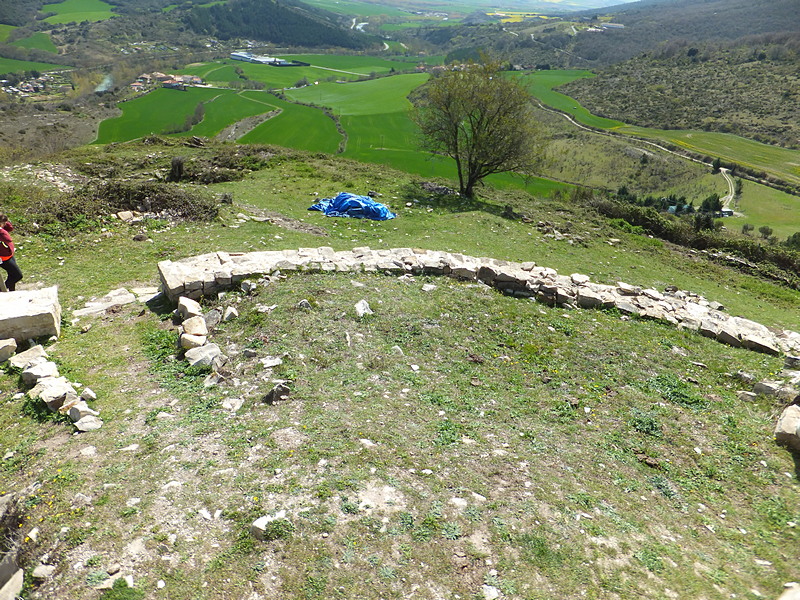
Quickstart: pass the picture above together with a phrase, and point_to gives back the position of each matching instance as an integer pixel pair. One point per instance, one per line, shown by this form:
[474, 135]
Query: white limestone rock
[362, 308]
[33, 356]
[787, 429]
[195, 326]
[259, 526]
[30, 314]
[188, 341]
[188, 308]
[203, 356]
[89, 423]
[34, 373]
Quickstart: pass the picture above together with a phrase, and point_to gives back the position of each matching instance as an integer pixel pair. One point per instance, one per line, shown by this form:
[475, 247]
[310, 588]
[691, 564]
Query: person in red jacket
[7, 253]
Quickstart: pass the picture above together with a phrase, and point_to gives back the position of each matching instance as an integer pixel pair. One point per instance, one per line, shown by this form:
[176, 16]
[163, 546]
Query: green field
[154, 112]
[5, 31]
[9, 65]
[39, 41]
[301, 127]
[765, 206]
[78, 11]
[780, 162]
[344, 68]
[375, 115]
[365, 9]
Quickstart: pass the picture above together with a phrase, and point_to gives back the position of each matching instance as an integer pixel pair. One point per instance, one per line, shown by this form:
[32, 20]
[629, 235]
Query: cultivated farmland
[77, 11]
[10, 65]
[39, 40]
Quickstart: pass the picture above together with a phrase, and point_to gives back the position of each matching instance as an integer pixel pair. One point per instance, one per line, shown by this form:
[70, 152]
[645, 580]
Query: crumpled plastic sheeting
[346, 204]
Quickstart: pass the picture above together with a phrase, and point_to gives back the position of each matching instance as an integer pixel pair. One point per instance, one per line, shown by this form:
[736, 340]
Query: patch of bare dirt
[285, 222]
[233, 132]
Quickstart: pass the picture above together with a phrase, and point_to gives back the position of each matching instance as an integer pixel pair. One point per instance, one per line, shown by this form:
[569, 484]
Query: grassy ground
[78, 10]
[504, 443]
[10, 65]
[5, 30]
[40, 41]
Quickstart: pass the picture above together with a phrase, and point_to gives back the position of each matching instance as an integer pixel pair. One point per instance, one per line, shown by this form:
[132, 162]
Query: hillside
[577, 40]
[455, 442]
[283, 23]
[749, 88]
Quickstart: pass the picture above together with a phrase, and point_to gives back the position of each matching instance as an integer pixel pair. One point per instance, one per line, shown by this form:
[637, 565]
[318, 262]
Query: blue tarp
[353, 205]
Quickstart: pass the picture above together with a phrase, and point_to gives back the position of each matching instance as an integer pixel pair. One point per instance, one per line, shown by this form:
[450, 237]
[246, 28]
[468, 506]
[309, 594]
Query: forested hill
[279, 22]
[18, 12]
[650, 22]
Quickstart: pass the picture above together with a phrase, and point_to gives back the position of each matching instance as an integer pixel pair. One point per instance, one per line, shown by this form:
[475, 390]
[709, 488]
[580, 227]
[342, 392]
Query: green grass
[300, 127]
[10, 65]
[227, 108]
[78, 11]
[765, 206]
[39, 41]
[323, 66]
[5, 31]
[154, 112]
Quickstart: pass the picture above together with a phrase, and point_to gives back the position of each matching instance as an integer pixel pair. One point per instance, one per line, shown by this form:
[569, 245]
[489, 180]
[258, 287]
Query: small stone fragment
[89, 423]
[363, 308]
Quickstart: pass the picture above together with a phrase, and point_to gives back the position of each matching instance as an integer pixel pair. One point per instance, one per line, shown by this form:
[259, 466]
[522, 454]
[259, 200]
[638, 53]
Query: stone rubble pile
[194, 334]
[46, 384]
[208, 274]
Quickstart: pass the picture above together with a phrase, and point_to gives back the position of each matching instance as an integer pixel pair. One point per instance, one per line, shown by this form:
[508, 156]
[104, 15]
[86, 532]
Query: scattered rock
[259, 526]
[188, 308]
[277, 394]
[33, 356]
[189, 342]
[362, 308]
[88, 423]
[43, 571]
[195, 326]
[213, 318]
[203, 356]
[34, 373]
[230, 314]
[787, 429]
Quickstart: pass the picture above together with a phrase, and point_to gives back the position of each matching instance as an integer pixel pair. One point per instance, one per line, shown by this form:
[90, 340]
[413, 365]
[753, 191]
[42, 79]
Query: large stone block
[787, 429]
[30, 314]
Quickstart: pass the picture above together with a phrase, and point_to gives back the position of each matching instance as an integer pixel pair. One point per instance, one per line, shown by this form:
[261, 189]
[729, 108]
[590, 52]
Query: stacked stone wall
[209, 274]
